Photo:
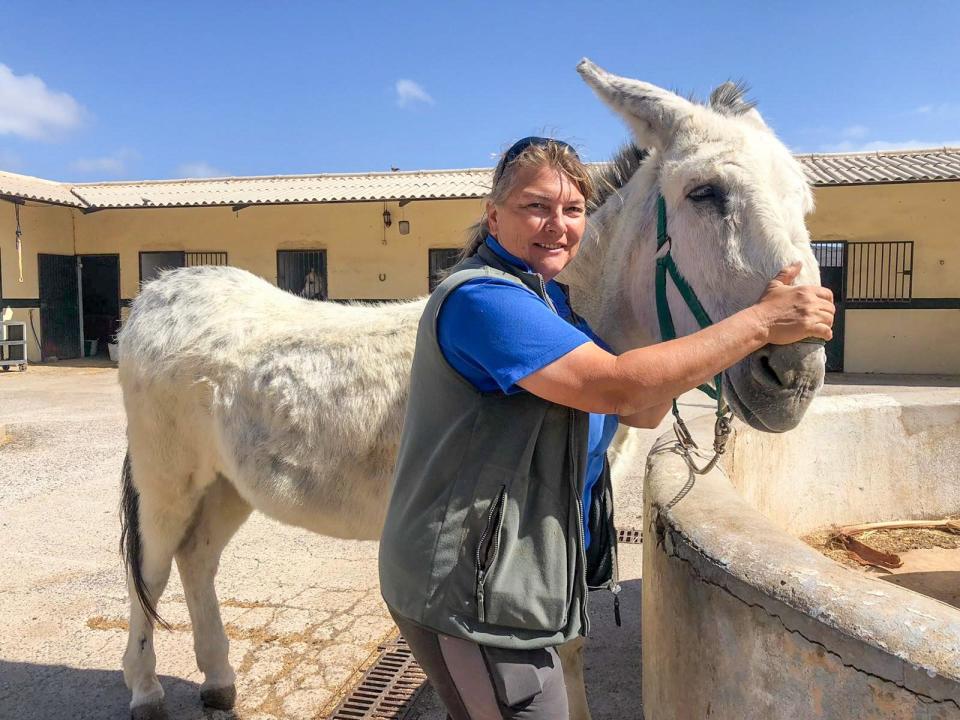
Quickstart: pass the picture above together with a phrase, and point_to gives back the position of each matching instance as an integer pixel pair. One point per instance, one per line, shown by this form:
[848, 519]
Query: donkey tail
[130, 542]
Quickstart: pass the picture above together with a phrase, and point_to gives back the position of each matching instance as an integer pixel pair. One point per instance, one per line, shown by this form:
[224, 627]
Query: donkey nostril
[767, 373]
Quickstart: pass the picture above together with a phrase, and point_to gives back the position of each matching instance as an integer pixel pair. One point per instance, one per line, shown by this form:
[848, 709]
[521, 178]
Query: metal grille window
[879, 271]
[874, 271]
[205, 258]
[441, 260]
[153, 261]
[303, 273]
[829, 254]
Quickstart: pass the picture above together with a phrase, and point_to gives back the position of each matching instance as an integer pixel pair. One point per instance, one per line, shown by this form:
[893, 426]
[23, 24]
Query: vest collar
[500, 250]
[532, 280]
[493, 254]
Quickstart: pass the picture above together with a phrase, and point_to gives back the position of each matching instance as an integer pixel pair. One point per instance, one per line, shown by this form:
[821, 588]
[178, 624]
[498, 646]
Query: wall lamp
[387, 218]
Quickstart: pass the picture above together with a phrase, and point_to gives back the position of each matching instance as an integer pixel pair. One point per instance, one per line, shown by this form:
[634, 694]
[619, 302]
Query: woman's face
[541, 221]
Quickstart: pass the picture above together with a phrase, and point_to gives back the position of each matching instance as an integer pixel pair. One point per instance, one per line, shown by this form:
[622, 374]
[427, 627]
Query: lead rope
[721, 429]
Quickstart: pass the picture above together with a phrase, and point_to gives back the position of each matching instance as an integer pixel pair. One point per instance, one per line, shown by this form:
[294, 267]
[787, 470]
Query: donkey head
[735, 202]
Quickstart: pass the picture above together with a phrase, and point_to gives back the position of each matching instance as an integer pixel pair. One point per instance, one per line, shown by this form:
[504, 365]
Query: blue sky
[127, 90]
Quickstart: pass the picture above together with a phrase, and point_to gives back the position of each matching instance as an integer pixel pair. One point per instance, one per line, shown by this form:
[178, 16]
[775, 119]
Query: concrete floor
[303, 611]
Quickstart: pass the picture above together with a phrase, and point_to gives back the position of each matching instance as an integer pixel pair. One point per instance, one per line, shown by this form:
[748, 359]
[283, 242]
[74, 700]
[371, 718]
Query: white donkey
[241, 396]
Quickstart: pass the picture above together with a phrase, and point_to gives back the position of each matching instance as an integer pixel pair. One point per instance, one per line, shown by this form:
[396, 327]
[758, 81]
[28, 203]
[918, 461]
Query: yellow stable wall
[45, 229]
[902, 341]
[365, 260]
[909, 340]
[926, 213]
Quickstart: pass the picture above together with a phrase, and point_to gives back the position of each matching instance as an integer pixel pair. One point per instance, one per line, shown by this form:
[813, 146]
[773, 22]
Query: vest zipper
[484, 564]
[582, 544]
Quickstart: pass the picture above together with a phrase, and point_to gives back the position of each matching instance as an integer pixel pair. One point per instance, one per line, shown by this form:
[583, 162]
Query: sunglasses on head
[520, 145]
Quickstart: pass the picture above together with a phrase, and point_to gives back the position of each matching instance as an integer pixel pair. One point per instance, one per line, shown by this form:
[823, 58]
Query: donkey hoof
[155, 710]
[221, 698]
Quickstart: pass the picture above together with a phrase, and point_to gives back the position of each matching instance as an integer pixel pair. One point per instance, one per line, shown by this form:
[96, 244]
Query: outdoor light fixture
[387, 219]
[404, 227]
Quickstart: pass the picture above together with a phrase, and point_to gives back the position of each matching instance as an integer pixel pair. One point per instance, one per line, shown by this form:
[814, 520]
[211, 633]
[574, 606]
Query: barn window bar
[192, 259]
[440, 260]
[878, 272]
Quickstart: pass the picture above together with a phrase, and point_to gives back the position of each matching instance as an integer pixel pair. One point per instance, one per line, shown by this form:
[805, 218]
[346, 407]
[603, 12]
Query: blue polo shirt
[495, 332]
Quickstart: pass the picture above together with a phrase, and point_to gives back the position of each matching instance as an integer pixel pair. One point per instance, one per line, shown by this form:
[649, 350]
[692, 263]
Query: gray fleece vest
[484, 532]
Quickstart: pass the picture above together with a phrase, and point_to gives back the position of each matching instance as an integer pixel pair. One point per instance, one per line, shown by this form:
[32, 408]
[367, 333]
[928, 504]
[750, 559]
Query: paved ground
[303, 611]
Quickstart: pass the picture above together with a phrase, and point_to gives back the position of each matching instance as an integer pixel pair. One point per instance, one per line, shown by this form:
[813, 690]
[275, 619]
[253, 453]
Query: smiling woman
[501, 517]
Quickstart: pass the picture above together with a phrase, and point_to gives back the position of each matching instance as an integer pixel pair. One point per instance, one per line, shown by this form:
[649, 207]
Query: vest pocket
[488, 547]
[522, 561]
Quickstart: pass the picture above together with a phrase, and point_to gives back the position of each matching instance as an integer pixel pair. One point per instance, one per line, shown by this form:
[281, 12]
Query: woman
[501, 519]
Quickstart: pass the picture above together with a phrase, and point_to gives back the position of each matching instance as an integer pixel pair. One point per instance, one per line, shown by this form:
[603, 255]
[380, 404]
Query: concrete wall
[359, 249]
[903, 341]
[742, 619]
[892, 340]
[46, 229]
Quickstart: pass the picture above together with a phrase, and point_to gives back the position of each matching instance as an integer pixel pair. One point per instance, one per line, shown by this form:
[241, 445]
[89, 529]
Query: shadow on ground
[29, 690]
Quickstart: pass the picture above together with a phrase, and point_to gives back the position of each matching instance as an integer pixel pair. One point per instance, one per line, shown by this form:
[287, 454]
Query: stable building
[73, 256]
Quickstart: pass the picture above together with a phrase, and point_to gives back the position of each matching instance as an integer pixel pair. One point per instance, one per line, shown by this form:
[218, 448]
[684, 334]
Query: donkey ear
[651, 112]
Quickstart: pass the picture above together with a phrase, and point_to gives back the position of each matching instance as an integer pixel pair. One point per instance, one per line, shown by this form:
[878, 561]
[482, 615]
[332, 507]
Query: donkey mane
[728, 98]
[609, 177]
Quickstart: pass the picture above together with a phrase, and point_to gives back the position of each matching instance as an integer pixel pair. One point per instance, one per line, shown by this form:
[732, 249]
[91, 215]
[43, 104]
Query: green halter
[665, 264]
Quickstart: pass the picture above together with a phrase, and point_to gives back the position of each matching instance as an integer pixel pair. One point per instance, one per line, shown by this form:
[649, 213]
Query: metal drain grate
[388, 690]
[630, 535]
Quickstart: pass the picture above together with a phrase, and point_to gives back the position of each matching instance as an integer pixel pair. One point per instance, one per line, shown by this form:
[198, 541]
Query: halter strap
[668, 331]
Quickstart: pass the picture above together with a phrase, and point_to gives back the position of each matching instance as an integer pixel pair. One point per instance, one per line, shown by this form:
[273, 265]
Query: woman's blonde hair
[528, 152]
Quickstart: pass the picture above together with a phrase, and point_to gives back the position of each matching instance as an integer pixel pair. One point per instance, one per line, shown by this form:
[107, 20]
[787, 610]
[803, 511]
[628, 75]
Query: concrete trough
[741, 619]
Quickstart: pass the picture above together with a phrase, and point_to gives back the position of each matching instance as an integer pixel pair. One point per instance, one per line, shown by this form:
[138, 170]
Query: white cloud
[943, 111]
[28, 108]
[410, 93]
[112, 165]
[875, 145]
[199, 169]
[855, 131]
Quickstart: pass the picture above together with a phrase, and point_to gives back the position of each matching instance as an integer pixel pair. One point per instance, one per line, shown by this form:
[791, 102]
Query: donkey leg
[159, 534]
[222, 511]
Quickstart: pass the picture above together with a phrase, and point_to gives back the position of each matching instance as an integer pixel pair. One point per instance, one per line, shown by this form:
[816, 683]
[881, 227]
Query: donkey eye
[703, 192]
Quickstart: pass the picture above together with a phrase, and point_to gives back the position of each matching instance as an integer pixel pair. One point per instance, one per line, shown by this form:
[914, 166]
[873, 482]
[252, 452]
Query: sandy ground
[303, 612]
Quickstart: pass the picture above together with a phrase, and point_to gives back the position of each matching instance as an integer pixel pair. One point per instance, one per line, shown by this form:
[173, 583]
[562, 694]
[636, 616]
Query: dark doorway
[832, 257]
[303, 273]
[100, 283]
[59, 307]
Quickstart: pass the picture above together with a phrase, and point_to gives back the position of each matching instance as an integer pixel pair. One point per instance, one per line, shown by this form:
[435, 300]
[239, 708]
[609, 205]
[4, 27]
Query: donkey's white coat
[240, 396]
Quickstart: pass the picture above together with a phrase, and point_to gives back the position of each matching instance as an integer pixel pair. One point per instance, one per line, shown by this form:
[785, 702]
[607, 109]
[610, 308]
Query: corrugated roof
[925, 165]
[31, 188]
[419, 185]
[889, 166]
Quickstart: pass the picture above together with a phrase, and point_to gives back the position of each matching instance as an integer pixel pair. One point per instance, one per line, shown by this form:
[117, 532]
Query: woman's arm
[591, 379]
[649, 418]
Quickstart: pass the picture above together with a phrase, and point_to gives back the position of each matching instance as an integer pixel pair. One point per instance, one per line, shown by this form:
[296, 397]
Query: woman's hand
[589, 378]
[790, 313]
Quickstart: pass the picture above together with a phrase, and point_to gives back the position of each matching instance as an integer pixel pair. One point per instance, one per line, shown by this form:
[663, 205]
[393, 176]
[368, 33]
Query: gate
[59, 307]
[832, 257]
[303, 273]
